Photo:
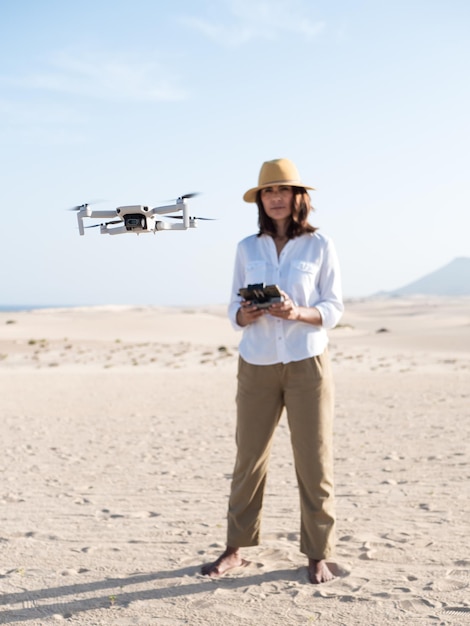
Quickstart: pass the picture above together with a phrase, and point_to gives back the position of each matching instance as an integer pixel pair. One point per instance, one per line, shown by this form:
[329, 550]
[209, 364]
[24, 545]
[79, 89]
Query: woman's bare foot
[319, 572]
[228, 560]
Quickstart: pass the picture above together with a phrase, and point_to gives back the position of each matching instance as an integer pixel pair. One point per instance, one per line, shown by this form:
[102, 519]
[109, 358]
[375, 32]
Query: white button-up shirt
[308, 271]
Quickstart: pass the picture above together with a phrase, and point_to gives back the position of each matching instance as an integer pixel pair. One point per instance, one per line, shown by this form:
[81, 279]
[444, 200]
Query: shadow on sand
[34, 603]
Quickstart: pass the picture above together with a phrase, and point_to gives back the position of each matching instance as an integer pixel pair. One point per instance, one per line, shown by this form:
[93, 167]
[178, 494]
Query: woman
[284, 363]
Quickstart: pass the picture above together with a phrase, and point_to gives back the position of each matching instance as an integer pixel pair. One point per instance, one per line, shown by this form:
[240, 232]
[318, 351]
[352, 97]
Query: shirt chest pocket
[255, 272]
[303, 274]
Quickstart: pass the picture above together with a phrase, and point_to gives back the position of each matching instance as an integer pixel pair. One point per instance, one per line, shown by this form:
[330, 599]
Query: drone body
[138, 218]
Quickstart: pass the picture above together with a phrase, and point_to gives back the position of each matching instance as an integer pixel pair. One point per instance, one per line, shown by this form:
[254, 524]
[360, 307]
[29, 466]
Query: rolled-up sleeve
[330, 305]
[238, 281]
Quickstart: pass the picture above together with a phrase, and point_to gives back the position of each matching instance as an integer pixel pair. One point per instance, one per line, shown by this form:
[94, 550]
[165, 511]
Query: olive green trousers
[305, 389]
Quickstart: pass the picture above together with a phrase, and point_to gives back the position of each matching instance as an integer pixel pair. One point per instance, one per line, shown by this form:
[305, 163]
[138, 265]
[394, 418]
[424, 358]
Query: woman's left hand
[286, 309]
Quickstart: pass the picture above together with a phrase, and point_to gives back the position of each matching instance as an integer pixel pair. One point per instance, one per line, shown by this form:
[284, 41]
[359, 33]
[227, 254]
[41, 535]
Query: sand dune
[117, 449]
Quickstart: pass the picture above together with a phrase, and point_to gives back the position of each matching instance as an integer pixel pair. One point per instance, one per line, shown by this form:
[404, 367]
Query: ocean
[6, 308]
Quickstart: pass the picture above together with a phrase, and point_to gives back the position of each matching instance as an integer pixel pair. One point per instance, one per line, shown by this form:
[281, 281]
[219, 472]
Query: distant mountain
[451, 280]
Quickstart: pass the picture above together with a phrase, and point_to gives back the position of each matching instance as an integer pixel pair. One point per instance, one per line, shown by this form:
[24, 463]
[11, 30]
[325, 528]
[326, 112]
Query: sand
[117, 438]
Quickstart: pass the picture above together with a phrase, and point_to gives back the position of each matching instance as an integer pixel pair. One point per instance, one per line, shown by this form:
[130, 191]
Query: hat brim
[250, 195]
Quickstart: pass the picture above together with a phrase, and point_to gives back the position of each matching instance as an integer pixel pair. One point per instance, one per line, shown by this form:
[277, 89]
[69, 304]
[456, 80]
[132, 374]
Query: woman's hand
[248, 313]
[286, 309]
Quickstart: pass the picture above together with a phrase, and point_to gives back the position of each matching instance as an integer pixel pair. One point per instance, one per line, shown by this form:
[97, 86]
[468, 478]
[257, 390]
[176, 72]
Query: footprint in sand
[453, 581]
[418, 605]
[73, 571]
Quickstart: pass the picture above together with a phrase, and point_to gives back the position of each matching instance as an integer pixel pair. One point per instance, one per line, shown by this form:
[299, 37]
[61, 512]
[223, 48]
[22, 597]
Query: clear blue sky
[139, 101]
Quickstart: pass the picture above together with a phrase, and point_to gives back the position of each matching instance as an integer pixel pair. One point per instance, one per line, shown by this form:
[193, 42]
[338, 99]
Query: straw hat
[277, 172]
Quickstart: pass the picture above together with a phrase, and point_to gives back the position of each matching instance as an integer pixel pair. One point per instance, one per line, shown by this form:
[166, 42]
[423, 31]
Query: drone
[138, 218]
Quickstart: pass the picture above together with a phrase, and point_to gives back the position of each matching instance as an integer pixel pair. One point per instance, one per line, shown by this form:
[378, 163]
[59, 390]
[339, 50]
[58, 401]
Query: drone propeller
[189, 195]
[180, 217]
[84, 205]
[172, 201]
[186, 196]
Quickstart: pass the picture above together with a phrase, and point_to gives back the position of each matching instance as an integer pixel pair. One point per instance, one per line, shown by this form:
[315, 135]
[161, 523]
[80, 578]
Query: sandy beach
[117, 438]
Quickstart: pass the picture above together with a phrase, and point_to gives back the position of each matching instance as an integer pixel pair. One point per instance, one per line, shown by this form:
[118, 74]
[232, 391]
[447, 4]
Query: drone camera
[135, 221]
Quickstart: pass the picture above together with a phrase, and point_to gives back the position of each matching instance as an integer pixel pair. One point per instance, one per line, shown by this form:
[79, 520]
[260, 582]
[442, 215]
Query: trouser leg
[309, 404]
[259, 406]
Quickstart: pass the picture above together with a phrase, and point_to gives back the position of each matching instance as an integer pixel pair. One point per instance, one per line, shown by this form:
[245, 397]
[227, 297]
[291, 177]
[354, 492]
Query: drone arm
[168, 226]
[179, 205]
[81, 228]
[170, 208]
[104, 214]
[86, 211]
[104, 230]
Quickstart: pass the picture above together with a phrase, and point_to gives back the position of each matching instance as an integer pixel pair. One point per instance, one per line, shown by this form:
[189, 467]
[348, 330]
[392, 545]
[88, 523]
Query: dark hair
[298, 225]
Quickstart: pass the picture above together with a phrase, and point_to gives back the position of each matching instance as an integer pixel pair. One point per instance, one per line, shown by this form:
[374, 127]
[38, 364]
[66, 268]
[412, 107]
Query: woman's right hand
[248, 313]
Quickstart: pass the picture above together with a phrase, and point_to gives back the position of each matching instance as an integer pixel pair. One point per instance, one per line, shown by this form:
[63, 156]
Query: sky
[123, 102]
